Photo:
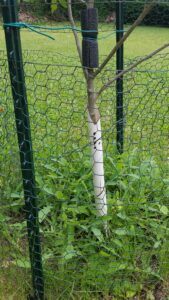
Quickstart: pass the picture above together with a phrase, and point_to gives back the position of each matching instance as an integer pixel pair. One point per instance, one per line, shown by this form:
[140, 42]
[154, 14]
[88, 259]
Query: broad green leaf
[98, 234]
[47, 256]
[22, 263]
[48, 191]
[82, 210]
[120, 231]
[44, 213]
[15, 195]
[118, 243]
[39, 180]
[130, 294]
[59, 195]
[164, 210]
[49, 167]
[70, 253]
[104, 254]
[157, 244]
[122, 216]
[111, 250]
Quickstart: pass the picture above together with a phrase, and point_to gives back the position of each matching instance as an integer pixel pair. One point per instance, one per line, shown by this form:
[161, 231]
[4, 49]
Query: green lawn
[80, 260]
[142, 41]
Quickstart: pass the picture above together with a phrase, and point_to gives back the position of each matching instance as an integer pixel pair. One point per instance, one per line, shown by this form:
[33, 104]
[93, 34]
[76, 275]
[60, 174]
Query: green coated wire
[37, 29]
[110, 34]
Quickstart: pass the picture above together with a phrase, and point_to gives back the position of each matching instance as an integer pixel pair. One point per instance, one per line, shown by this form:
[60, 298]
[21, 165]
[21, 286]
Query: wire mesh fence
[100, 212]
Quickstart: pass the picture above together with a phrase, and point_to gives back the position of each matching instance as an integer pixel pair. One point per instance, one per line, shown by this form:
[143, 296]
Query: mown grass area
[80, 260]
[143, 40]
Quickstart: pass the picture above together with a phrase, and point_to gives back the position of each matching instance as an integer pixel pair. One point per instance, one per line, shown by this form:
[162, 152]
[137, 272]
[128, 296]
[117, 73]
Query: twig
[72, 22]
[71, 19]
[106, 85]
[146, 10]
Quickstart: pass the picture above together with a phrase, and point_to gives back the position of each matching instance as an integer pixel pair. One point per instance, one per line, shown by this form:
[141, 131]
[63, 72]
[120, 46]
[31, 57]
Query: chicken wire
[80, 259]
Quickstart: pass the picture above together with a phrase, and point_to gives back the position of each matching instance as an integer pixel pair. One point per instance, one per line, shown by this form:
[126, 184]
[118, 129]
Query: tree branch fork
[91, 75]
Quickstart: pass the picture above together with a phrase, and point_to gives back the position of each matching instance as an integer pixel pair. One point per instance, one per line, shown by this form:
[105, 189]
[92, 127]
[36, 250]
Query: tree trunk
[95, 134]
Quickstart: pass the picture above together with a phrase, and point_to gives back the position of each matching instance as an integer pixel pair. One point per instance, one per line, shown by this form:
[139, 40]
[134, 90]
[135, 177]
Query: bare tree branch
[71, 19]
[146, 10]
[122, 73]
[78, 46]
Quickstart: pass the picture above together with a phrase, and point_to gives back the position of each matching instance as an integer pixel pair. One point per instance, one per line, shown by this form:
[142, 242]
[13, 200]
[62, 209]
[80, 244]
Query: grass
[142, 41]
[80, 261]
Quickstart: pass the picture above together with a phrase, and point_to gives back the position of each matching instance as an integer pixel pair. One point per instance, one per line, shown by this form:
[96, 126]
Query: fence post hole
[14, 54]
[119, 82]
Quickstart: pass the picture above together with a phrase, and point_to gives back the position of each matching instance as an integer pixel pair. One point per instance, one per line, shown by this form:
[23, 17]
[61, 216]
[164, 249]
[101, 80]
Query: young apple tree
[94, 118]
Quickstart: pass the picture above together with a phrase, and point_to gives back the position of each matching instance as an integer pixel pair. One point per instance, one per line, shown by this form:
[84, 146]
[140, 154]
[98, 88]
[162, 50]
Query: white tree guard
[98, 166]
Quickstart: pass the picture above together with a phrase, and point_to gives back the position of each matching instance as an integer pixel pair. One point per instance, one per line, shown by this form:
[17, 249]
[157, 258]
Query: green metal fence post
[119, 83]
[14, 53]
